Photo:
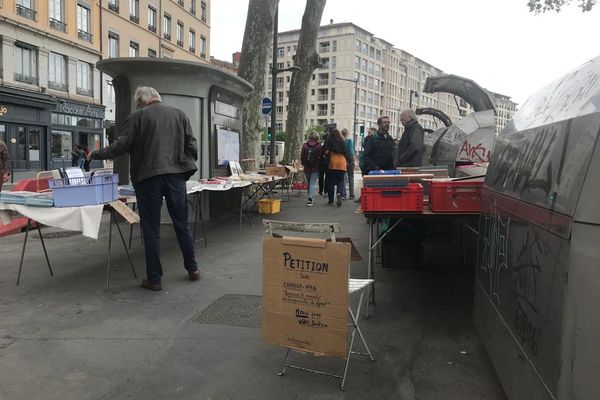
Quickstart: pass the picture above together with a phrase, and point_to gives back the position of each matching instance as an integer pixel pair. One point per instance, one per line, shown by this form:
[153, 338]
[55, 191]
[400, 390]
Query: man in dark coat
[410, 148]
[379, 149]
[163, 154]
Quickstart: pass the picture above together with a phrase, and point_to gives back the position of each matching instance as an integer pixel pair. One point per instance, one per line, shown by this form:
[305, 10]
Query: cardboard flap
[306, 242]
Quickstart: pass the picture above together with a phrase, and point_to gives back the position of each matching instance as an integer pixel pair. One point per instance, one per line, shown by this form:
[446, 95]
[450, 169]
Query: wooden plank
[121, 208]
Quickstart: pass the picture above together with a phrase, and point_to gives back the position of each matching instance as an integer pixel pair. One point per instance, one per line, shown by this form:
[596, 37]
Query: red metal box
[408, 198]
[455, 196]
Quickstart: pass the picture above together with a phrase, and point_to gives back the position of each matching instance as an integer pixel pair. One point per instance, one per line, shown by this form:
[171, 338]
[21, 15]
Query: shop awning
[25, 98]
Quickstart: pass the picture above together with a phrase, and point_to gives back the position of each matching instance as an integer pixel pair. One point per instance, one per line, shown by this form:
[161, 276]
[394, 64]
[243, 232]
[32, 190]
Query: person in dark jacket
[410, 148]
[323, 174]
[379, 149]
[310, 157]
[163, 154]
[4, 163]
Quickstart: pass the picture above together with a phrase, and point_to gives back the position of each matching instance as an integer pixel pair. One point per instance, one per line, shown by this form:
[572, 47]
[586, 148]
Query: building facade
[388, 80]
[177, 29]
[505, 109]
[50, 96]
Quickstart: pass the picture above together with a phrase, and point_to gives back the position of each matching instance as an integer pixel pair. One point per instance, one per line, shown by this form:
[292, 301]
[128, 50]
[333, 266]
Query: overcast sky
[499, 44]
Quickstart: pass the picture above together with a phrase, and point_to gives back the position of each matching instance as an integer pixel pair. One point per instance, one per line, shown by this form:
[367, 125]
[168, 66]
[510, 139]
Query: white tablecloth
[85, 219]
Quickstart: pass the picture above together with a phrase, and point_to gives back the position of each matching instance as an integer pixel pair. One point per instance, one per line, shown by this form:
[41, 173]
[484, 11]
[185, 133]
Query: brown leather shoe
[194, 276]
[151, 286]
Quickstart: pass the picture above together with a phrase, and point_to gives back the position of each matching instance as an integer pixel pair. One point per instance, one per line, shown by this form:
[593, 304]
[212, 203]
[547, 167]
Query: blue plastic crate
[86, 191]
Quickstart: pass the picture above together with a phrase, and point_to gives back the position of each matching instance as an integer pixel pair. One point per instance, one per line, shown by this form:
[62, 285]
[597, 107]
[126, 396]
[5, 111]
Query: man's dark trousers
[149, 193]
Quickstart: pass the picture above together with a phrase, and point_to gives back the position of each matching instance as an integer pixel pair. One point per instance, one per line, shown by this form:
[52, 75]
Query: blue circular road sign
[266, 106]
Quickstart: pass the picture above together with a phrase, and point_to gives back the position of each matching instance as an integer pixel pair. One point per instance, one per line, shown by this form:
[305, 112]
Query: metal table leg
[23, 251]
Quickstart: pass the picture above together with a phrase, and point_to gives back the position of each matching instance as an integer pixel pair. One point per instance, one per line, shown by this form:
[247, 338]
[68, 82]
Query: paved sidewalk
[67, 337]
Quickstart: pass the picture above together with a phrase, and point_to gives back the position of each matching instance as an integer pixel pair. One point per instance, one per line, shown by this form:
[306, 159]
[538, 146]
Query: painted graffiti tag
[526, 165]
[495, 250]
[527, 271]
[474, 153]
[528, 333]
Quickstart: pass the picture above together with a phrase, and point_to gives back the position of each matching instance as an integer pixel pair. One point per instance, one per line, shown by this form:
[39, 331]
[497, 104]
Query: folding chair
[355, 286]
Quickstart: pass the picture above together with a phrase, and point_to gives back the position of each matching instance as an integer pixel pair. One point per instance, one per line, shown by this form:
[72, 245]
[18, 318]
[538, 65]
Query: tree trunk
[253, 64]
[306, 58]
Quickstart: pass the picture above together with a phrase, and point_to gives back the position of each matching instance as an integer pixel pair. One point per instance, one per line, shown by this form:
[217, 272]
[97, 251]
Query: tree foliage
[542, 6]
[308, 60]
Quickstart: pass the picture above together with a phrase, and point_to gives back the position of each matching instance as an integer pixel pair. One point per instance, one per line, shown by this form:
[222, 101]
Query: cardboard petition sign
[305, 294]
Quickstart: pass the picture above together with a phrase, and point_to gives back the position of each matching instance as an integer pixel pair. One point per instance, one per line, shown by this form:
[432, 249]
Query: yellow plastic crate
[269, 206]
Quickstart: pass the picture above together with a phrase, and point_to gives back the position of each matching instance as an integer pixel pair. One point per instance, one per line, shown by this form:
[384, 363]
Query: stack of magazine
[28, 198]
[126, 191]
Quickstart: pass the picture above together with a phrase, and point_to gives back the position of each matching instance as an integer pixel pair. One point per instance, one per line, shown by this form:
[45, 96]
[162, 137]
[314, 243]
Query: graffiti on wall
[495, 251]
[477, 153]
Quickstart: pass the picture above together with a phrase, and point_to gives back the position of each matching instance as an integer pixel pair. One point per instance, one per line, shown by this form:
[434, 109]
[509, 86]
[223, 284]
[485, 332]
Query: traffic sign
[266, 106]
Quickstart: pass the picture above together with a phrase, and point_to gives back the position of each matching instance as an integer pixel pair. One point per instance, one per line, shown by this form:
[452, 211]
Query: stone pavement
[67, 337]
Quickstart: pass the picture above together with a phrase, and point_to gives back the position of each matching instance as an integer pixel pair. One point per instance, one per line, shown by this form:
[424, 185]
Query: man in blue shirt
[350, 169]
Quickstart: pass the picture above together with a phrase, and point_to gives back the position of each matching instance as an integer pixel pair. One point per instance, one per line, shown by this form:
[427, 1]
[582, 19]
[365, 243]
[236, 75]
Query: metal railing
[180, 43]
[58, 25]
[321, 112]
[167, 36]
[322, 97]
[323, 81]
[113, 7]
[26, 78]
[83, 35]
[85, 92]
[324, 49]
[26, 12]
[152, 28]
[58, 86]
[192, 49]
[134, 18]
[203, 55]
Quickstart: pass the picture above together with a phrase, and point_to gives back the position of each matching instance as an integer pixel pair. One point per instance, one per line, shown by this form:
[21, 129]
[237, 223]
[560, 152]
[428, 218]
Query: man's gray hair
[145, 94]
[411, 114]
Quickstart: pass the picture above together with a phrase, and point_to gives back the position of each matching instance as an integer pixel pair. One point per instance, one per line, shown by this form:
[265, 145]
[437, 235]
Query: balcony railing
[322, 97]
[203, 55]
[26, 12]
[167, 36]
[113, 7]
[58, 25]
[324, 49]
[181, 3]
[152, 28]
[193, 11]
[180, 43]
[192, 49]
[58, 86]
[321, 112]
[85, 92]
[323, 81]
[134, 18]
[203, 18]
[83, 35]
[26, 78]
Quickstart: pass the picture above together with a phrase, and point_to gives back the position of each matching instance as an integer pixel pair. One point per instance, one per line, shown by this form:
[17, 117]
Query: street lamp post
[355, 104]
[274, 72]
[412, 93]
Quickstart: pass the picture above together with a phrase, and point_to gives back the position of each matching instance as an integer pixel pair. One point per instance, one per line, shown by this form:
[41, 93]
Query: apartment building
[177, 29]
[505, 109]
[50, 97]
[388, 80]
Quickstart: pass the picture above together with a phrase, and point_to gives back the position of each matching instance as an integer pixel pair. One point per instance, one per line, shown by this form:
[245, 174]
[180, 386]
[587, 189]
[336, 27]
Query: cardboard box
[305, 294]
[280, 170]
